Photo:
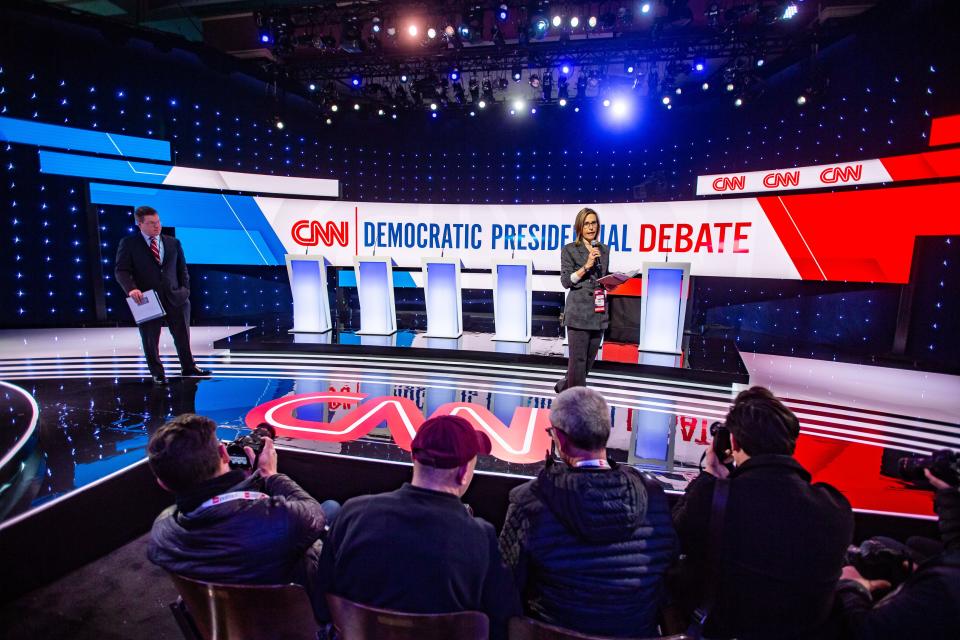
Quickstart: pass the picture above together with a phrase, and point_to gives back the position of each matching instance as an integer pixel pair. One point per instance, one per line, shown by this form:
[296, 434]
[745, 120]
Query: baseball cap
[446, 442]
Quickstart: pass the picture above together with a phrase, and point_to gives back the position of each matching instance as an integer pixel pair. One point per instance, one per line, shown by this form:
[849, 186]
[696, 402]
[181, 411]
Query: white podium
[441, 293]
[308, 286]
[663, 306]
[513, 300]
[378, 312]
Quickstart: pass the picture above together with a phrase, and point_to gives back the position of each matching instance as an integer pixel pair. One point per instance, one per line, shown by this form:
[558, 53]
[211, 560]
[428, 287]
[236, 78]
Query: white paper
[149, 308]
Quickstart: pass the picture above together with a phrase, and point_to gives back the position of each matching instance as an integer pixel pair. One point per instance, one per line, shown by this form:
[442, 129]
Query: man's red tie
[155, 248]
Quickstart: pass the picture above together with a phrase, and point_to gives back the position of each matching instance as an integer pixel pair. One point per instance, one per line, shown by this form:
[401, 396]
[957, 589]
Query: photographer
[926, 604]
[227, 526]
[763, 561]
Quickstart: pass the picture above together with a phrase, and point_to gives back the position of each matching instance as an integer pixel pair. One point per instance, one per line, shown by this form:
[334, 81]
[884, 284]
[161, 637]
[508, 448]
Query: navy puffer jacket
[589, 548]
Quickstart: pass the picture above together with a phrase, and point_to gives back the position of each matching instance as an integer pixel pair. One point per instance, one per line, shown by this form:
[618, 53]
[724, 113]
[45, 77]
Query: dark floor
[121, 596]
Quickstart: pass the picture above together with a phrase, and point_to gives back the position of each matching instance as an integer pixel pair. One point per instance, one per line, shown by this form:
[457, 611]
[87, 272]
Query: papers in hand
[149, 308]
[616, 279]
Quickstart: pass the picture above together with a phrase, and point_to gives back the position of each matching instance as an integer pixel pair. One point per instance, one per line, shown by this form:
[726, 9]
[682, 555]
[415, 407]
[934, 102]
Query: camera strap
[231, 496]
[718, 508]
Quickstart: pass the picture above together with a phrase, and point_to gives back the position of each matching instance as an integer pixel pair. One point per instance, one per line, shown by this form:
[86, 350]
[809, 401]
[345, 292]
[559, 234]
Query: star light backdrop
[884, 88]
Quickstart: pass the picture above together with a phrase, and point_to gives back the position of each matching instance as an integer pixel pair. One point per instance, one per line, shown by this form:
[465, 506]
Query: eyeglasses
[591, 224]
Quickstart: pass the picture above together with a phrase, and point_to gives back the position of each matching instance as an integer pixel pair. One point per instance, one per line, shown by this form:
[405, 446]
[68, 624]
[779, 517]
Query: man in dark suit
[147, 260]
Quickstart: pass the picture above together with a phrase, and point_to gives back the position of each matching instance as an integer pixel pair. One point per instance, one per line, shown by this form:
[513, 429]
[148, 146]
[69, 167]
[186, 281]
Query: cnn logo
[310, 233]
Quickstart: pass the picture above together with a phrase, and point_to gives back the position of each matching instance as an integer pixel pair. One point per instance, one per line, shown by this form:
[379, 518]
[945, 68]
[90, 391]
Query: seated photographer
[927, 603]
[768, 566]
[227, 525]
[589, 541]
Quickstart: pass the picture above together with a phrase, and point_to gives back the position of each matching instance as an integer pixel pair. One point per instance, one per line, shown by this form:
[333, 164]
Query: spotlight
[434, 114]
[533, 110]
[730, 86]
[517, 73]
[393, 115]
[619, 108]
[356, 81]
[356, 106]
[512, 112]
[279, 124]
[705, 86]
[403, 78]
[645, 7]
[760, 61]
[482, 104]
[431, 33]
[699, 66]
[738, 102]
[473, 113]
[606, 102]
[519, 105]
[334, 108]
[592, 22]
[329, 121]
[562, 102]
[678, 90]
[433, 106]
[574, 22]
[381, 112]
[503, 13]
[557, 21]
[665, 100]
[376, 25]
[464, 31]
[454, 75]
[312, 86]
[541, 25]
[790, 10]
[412, 30]
[801, 100]
[576, 109]
[265, 37]
[565, 68]
[630, 66]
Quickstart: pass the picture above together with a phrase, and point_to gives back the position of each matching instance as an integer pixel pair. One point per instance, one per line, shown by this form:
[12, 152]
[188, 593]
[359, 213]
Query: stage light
[533, 110]
[592, 22]
[375, 27]
[381, 112]
[482, 104]
[519, 105]
[512, 112]
[630, 66]
[760, 61]
[329, 121]
[730, 86]
[412, 30]
[454, 75]
[574, 22]
[356, 81]
[503, 13]
[334, 108]
[678, 90]
[431, 33]
[645, 7]
[541, 25]
[403, 78]
[473, 113]
[562, 102]
[265, 36]
[433, 106]
[434, 114]
[565, 68]
[393, 115]
[620, 108]
[517, 73]
[738, 102]
[356, 106]
[279, 124]
[705, 86]
[557, 21]
[790, 10]
[801, 100]
[464, 31]
[665, 100]
[312, 86]
[576, 109]
[606, 102]
[699, 66]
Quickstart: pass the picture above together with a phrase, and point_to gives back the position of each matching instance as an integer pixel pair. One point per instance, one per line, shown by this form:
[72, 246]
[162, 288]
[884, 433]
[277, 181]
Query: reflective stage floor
[77, 408]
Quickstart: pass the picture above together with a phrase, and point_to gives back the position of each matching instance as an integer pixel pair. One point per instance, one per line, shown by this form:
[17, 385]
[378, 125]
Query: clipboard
[616, 279]
[148, 309]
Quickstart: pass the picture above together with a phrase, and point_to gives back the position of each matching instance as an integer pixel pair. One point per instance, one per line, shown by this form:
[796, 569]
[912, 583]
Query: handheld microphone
[596, 265]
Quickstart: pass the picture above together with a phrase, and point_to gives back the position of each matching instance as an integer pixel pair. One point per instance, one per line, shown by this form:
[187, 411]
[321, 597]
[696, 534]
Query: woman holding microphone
[582, 263]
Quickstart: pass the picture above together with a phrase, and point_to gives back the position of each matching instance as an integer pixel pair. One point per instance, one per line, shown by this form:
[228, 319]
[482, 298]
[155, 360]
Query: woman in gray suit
[586, 313]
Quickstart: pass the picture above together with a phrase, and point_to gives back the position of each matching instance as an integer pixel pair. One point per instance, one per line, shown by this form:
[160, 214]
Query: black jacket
[418, 551]
[136, 268]
[927, 604]
[783, 547]
[241, 541]
[589, 548]
[578, 311]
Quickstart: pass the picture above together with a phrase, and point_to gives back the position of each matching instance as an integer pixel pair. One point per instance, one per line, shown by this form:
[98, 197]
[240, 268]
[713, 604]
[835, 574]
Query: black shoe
[196, 372]
[160, 380]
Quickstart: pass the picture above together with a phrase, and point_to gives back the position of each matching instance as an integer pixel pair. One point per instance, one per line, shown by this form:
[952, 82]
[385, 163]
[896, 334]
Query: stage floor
[96, 409]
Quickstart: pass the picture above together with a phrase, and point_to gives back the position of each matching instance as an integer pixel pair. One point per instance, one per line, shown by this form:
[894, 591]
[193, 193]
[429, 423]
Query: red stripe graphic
[945, 131]
[921, 166]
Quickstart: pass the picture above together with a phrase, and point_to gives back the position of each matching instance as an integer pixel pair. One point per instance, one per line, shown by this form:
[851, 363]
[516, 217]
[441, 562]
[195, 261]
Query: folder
[147, 309]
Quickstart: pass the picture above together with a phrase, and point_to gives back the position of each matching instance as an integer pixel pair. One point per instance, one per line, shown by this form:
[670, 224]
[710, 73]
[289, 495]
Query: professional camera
[945, 464]
[254, 440]
[881, 559]
[721, 440]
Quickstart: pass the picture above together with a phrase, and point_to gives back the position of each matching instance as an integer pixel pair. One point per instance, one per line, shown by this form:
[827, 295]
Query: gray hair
[582, 414]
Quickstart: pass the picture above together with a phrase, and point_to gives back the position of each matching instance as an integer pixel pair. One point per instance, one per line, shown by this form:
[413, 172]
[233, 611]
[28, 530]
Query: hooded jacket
[589, 548]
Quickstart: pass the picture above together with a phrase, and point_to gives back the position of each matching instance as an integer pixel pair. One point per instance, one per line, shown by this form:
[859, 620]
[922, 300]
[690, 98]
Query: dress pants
[582, 345]
[178, 320]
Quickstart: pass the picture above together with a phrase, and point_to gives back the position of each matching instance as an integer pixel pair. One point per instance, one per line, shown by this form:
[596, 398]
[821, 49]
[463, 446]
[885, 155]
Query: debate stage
[79, 408]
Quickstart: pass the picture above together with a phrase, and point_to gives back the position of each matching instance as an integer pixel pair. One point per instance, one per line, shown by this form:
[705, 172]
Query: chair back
[355, 621]
[248, 612]
[530, 629]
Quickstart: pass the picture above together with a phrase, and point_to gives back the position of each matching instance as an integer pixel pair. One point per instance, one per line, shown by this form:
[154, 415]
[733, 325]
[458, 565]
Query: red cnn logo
[781, 179]
[310, 233]
[736, 183]
[832, 175]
